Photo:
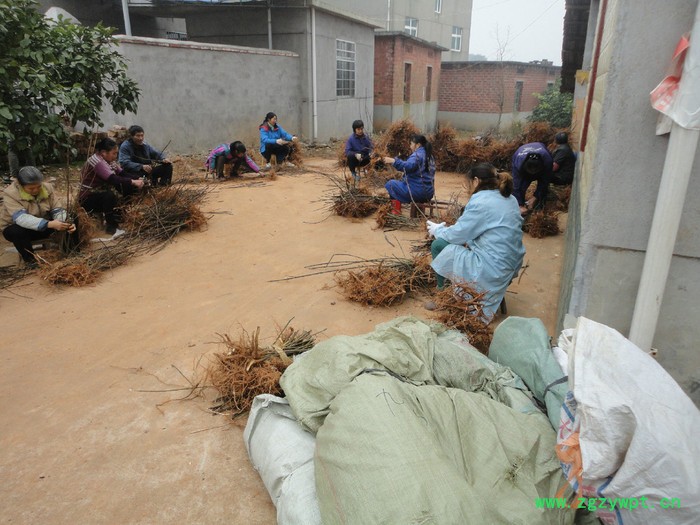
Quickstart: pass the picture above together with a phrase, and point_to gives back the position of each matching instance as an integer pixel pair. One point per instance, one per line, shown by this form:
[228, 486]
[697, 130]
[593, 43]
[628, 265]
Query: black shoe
[111, 229]
[31, 265]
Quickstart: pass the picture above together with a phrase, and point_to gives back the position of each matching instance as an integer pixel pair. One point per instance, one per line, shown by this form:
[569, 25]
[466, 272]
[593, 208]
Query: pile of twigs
[160, 214]
[353, 202]
[542, 223]
[461, 307]
[83, 268]
[9, 275]
[388, 221]
[395, 141]
[248, 369]
[383, 281]
[442, 140]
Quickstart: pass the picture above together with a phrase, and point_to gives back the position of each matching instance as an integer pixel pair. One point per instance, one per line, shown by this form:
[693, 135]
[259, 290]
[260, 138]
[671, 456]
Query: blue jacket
[420, 179]
[131, 159]
[270, 135]
[357, 144]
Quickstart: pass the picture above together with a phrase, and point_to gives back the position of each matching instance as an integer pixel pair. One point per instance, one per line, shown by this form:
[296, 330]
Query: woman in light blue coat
[484, 248]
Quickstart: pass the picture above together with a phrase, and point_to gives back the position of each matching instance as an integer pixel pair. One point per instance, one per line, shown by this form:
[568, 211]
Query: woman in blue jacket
[274, 140]
[484, 248]
[418, 182]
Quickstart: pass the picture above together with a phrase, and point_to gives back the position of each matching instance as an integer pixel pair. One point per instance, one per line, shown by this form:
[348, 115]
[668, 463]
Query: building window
[407, 83]
[438, 6]
[429, 83]
[175, 35]
[518, 95]
[345, 68]
[411, 27]
[550, 84]
[456, 44]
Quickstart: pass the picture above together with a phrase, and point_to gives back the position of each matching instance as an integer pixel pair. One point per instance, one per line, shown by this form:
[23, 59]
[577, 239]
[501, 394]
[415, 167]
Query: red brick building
[406, 80]
[472, 95]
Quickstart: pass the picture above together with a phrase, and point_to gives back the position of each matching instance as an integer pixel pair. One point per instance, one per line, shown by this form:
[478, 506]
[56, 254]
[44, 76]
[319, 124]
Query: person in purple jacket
[99, 173]
[234, 154]
[358, 148]
[531, 162]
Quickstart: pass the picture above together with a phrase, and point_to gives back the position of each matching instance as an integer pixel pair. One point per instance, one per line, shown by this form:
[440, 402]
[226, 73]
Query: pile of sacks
[410, 424]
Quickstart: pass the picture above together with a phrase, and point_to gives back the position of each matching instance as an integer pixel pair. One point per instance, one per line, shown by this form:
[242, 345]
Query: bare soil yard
[84, 441]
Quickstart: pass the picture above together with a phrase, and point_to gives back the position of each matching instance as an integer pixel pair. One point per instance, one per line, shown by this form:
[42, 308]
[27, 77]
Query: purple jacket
[357, 144]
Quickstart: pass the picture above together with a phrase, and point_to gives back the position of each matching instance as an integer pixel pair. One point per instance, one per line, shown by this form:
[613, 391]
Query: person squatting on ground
[31, 212]
[531, 162]
[484, 248]
[418, 182]
[234, 154]
[274, 140]
[563, 161]
[358, 149]
[99, 173]
[138, 159]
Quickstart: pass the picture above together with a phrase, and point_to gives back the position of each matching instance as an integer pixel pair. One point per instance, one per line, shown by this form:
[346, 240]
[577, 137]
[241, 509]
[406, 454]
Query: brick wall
[477, 87]
[391, 53]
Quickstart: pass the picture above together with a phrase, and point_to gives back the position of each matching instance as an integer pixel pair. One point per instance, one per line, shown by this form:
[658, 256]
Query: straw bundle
[388, 221]
[442, 141]
[355, 202]
[395, 141]
[374, 286]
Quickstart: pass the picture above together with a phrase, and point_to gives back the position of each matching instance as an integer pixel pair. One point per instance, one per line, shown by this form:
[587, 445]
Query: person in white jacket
[484, 248]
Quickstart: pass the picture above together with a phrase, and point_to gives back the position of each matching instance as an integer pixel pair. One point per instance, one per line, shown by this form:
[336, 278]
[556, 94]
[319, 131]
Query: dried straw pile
[461, 308]
[538, 132]
[542, 224]
[443, 141]
[296, 156]
[247, 370]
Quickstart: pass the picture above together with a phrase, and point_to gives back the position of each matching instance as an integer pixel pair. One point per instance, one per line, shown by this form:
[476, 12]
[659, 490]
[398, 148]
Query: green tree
[51, 72]
[554, 107]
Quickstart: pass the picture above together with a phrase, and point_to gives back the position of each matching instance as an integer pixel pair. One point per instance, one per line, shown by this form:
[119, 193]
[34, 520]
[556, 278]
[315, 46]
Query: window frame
[409, 28]
[518, 95]
[345, 78]
[438, 6]
[456, 37]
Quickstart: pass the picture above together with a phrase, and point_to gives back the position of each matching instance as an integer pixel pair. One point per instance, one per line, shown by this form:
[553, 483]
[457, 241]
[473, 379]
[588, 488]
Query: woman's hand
[281, 142]
[137, 182]
[60, 226]
[433, 226]
[388, 160]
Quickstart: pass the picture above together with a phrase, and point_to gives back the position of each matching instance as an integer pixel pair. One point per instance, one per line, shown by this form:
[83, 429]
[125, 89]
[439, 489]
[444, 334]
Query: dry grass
[395, 141]
[388, 221]
[381, 285]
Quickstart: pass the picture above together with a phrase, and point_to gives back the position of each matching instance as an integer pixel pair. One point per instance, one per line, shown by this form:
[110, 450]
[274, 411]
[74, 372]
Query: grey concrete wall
[199, 95]
[470, 121]
[291, 28]
[616, 187]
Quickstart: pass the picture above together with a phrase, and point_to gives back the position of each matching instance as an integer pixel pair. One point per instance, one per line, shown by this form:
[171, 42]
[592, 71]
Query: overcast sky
[532, 29]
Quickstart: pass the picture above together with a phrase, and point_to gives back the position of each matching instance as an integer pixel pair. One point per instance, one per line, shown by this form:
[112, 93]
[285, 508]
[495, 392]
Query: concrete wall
[472, 94]
[291, 28]
[392, 52]
[200, 95]
[616, 186]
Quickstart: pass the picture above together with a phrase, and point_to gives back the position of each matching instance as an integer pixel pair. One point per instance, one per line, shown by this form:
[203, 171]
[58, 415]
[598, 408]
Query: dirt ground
[88, 434]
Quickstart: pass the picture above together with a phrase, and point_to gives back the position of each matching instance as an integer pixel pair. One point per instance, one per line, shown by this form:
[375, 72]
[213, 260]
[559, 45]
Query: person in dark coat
[358, 149]
[139, 160]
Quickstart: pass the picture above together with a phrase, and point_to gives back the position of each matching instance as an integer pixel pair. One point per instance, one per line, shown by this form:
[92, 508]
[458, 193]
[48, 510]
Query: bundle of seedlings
[381, 285]
[248, 369]
[85, 267]
[395, 141]
[296, 156]
[563, 196]
[388, 221]
[355, 202]
[9, 275]
[442, 141]
[161, 213]
[538, 132]
[461, 307]
[542, 223]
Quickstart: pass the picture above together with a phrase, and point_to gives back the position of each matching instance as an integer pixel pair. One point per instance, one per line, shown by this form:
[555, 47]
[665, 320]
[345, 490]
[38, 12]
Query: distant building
[407, 76]
[482, 95]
